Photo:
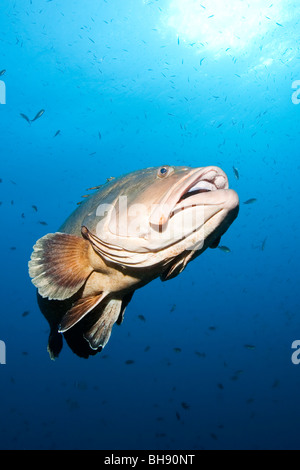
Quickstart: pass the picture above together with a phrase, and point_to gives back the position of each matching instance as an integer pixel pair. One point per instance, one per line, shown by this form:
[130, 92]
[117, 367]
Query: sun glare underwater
[209, 359]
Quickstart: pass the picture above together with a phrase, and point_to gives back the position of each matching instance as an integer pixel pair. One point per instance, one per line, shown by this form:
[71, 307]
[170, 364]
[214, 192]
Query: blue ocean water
[132, 84]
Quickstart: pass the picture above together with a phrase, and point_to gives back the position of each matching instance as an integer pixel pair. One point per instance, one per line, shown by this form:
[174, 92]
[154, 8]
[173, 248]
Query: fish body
[39, 114]
[25, 117]
[224, 248]
[2, 72]
[236, 173]
[250, 201]
[147, 224]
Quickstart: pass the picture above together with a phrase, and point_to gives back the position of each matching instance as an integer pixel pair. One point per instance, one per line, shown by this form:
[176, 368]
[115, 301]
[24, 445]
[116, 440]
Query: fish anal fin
[79, 310]
[99, 333]
[59, 265]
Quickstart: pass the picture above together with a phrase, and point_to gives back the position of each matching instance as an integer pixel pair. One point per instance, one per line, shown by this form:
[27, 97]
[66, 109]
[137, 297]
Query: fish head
[152, 216]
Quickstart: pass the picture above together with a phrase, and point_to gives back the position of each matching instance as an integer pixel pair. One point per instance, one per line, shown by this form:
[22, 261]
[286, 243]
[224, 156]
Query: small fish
[34, 208]
[185, 406]
[129, 361]
[39, 114]
[250, 201]
[42, 222]
[276, 383]
[278, 24]
[177, 350]
[99, 135]
[24, 314]
[221, 387]
[199, 354]
[249, 346]
[94, 187]
[202, 60]
[177, 416]
[25, 117]
[141, 317]
[224, 248]
[263, 244]
[178, 41]
[2, 72]
[57, 133]
[236, 172]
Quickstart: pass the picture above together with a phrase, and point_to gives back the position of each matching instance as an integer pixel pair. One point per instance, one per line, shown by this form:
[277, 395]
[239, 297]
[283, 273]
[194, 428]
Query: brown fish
[148, 224]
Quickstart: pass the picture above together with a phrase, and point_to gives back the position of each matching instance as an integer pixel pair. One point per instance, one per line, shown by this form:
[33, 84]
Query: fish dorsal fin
[98, 335]
[79, 310]
[59, 265]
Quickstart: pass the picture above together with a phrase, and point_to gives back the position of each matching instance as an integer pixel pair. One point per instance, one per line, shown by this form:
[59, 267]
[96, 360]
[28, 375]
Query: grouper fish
[147, 224]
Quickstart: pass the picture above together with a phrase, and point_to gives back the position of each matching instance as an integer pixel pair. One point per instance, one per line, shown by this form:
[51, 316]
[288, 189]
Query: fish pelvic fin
[59, 265]
[55, 344]
[79, 310]
[99, 333]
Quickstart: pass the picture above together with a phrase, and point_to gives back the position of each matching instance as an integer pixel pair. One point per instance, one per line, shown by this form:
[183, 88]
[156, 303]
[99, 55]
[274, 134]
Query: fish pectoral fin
[79, 310]
[59, 265]
[99, 333]
[176, 267]
[215, 243]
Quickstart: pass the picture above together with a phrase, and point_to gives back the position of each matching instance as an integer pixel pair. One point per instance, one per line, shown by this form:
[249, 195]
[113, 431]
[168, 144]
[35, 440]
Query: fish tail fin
[59, 265]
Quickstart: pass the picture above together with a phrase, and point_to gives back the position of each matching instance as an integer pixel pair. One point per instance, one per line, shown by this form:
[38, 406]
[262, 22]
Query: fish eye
[164, 171]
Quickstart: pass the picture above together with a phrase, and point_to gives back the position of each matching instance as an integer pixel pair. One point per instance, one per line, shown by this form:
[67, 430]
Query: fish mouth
[206, 187]
[212, 179]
